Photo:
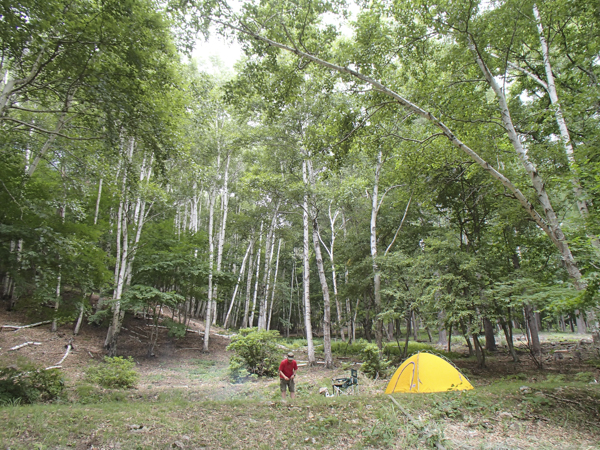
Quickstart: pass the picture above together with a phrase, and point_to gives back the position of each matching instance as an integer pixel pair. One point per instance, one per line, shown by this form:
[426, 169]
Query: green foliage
[516, 376]
[24, 382]
[391, 349]
[115, 373]
[347, 349]
[374, 366]
[454, 405]
[255, 353]
[176, 329]
[585, 377]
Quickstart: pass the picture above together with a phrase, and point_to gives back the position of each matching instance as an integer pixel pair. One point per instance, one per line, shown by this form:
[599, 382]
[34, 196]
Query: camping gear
[426, 372]
[346, 386]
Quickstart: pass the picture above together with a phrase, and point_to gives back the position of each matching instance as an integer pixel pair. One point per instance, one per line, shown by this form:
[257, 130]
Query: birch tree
[271, 25]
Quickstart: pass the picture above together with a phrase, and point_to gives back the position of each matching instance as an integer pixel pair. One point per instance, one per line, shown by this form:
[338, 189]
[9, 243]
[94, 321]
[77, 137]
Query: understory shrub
[114, 373]
[24, 382]
[390, 350]
[255, 353]
[176, 329]
[584, 376]
[373, 365]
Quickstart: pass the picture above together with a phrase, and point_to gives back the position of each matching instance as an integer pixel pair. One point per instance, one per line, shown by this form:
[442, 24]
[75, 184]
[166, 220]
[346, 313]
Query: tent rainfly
[425, 372]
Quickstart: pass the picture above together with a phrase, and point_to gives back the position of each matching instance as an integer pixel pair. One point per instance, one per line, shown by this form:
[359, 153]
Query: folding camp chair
[346, 386]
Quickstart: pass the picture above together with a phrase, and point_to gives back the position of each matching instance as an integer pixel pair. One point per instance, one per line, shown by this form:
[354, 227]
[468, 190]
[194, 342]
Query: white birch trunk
[552, 225]
[211, 257]
[248, 288]
[269, 247]
[373, 241]
[306, 271]
[237, 285]
[225, 208]
[560, 120]
[330, 252]
[274, 285]
[10, 85]
[98, 202]
[54, 328]
[126, 246]
[251, 323]
[322, 278]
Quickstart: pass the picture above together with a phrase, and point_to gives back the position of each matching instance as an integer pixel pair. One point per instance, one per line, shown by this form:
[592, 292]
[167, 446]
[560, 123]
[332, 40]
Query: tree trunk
[332, 220]
[506, 327]
[211, 257]
[466, 336]
[490, 339]
[408, 327]
[114, 328]
[415, 327]
[581, 327]
[98, 202]
[248, 288]
[306, 270]
[373, 240]
[550, 86]
[221, 244]
[326, 300]
[551, 226]
[322, 279]
[274, 285]
[442, 336]
[533, 331]
[237, 285]
[269, 244]
[479, 351]
[251, 323]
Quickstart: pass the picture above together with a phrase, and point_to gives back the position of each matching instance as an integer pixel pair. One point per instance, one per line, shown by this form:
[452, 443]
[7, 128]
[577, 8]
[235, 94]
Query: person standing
[287, 374]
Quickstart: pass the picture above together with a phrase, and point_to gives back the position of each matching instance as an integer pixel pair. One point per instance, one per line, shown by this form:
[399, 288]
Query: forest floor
[185, 399]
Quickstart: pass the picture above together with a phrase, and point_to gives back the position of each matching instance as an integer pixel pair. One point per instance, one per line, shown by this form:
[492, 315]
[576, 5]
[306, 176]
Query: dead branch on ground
[20, 327]
[17, 347]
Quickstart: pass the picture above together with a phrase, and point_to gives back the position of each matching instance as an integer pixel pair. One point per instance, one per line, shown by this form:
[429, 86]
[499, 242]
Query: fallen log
[17, 347]
[20, 327]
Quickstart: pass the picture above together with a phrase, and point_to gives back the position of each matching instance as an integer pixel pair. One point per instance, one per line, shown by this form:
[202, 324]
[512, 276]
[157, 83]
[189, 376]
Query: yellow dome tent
[425, 372]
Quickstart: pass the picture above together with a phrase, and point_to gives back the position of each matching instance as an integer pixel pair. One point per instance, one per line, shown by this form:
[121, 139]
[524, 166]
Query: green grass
[310, 421]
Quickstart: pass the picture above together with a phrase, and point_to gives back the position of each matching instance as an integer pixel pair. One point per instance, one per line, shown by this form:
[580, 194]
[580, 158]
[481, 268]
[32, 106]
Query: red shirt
[287, 367]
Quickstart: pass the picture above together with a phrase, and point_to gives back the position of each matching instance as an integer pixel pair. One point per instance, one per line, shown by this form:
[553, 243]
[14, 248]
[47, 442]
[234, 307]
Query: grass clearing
[499, 412]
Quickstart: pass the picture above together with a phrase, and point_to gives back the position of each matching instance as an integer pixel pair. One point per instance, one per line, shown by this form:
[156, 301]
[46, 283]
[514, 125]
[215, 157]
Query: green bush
[558, 378]
[255, 353]
[585, 377]
[392, 349]
[374, 366]
[176, 329]
[24, 382]
[340, 348]
[115, 373]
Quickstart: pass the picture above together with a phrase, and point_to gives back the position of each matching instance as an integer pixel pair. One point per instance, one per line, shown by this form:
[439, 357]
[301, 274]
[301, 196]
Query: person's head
[290, 356]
